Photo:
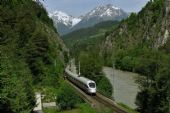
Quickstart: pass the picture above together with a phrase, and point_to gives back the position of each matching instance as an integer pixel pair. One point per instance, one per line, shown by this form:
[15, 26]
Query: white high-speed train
[86, 84]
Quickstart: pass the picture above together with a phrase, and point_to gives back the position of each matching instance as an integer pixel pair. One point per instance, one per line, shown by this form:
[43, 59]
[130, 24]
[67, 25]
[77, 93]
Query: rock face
[165, 26]
[63, 21]
[167, 14]
[151, 26]
[167, 6]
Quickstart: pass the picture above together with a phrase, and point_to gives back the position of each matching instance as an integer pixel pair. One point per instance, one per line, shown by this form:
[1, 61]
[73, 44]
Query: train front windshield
[92, 85]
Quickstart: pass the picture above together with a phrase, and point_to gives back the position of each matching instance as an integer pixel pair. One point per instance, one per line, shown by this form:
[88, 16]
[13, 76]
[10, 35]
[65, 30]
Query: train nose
[93, 90]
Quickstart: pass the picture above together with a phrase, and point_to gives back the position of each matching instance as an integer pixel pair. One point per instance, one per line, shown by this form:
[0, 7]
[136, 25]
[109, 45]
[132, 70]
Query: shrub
[85, 108]
[67, 98]
[104, 86]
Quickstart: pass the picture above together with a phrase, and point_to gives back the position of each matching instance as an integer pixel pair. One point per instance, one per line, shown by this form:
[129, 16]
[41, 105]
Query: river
[125, 88]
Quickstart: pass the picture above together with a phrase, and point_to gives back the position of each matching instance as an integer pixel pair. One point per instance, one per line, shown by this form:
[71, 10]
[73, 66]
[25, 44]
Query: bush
[27, 53]
[86, 108]
[104, 86]
[91, 65]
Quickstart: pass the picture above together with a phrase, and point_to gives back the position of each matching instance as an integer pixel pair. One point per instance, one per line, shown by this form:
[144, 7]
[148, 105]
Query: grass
[86, 108]
[53, 110]
[127, 108]
[50, 110]
[82, 108]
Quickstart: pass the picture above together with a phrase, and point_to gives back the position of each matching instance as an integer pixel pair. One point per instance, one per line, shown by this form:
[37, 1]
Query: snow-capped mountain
[100, 14]
[63, 21]
[61, 17]
[101, 11]
[66, 23]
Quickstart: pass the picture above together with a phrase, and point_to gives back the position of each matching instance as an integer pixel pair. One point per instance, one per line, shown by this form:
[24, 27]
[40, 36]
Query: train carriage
[89, 86]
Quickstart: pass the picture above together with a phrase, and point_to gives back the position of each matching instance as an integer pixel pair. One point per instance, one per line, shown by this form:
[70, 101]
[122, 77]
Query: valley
[126, 57]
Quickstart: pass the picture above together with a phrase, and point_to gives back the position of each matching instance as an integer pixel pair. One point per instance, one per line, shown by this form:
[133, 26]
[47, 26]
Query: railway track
[109, 103]
[98, 101]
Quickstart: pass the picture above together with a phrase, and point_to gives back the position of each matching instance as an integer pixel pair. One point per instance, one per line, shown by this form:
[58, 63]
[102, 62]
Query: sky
[81, 7]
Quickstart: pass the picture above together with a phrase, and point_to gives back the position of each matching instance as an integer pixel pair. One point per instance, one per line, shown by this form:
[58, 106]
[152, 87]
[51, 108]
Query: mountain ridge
[65, 18]
[141, 44]
[31, 54]
[96, 15]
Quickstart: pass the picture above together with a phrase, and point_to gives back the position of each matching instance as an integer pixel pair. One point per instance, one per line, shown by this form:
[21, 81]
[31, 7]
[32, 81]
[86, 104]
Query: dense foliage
[85, 38]
[104, 86]
[91, 64]
[67, 98]
[16, 90]
[153, 64]
[84, 45]
[30, 54]
[138, 45]
[91, 67]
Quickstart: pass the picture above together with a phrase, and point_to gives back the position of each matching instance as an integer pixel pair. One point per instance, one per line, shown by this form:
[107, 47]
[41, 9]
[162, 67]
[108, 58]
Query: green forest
[33, 57]
[84, 46]
[137, 45]
[29, 54]
[136, 48]
[86, 38]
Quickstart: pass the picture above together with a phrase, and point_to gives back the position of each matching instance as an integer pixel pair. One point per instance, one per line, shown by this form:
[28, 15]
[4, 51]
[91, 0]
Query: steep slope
[31, 53]
[82, 39]
[141, 44]
[149, 27]
[63, 21]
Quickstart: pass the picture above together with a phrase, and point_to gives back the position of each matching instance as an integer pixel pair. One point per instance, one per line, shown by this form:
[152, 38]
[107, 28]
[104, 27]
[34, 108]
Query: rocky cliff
[150, 27]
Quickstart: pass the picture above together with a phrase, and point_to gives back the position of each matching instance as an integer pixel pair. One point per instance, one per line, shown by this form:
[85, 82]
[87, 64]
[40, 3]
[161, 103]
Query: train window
[92, 85]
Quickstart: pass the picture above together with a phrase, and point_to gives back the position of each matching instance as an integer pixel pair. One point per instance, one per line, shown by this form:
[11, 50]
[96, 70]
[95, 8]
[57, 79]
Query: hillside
[31, 54]
[148, 29]
[84, 45]
[141, 44]
[82, 39]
